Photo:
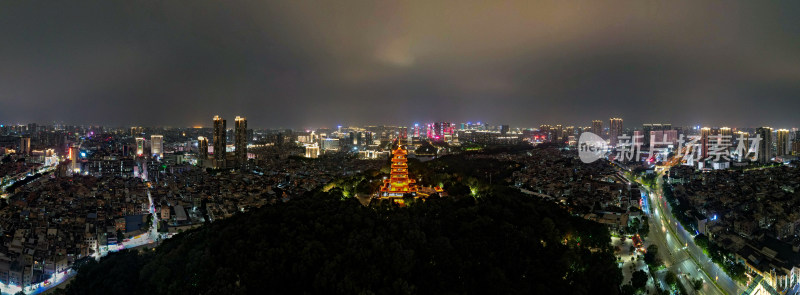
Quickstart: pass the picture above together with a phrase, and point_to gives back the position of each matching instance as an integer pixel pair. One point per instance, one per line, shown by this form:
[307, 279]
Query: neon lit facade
[139, 146]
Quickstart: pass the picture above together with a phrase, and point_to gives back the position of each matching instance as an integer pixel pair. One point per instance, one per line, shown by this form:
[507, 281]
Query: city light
[615, 133]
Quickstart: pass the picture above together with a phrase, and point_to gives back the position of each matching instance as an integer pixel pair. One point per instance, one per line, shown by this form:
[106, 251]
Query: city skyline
[377, 147]
[589, 125]
[297, 65]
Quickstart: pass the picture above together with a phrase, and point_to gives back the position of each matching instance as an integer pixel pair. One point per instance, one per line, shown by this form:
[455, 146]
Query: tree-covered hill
[501, 243]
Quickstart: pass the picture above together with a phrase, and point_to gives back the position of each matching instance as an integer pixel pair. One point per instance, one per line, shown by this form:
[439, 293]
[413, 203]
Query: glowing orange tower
[398, 183]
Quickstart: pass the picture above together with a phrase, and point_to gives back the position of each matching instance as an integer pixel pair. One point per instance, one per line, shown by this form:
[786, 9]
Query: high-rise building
[782, 143]
[202, 148]
[705, 132]
[136, 131]
[796, 148]
[329, 144]
[368, 140]
[25, 145]
[558, 133]
[765, 153]
[671, 137]
[240, 140]
[569, 131]
[441, 131]
[646, 128]
[638, 138]
[219, 142]
[312, 150]
[544, 128]
[359, 138]
[74, 154]
[33, 129]
[743, 138]
[796, 144]
[615, 131]
[157, 146]
[743, 135]
[726, 132]
[503, 129]
[139, 146]
[597, 127]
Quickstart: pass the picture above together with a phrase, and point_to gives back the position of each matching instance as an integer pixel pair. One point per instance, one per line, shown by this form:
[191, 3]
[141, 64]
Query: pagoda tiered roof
[398, 183]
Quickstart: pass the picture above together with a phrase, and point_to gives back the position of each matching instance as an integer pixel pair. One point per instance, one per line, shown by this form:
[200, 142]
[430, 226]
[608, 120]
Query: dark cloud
[323, 63]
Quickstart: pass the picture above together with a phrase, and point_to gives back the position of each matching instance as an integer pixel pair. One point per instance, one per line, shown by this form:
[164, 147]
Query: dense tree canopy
[502, 243]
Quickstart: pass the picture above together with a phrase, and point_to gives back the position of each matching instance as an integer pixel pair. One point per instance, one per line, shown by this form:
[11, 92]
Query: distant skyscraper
[765, 145]
[503, 129]
[136, 131]
[75, 165]
[329, 144]
[597, 127]
[615, 131]
[638, 138]
[139, 146]
[726, 131]
[240, 140]
[705, 132]
[312, 150]
[569, 131]
[796, 143]
[202, 147]
[782, 142]
[25, 145]
[441, 131]
[671, 137]
[219, 142]
[646, 128]
[558, 133]
[157, 146]
[368, 138]
[32, 129]
[743, 135]
[544, 128]
[359, 138]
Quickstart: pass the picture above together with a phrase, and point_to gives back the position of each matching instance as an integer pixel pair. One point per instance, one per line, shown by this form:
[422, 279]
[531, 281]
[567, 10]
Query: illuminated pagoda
[398, 183]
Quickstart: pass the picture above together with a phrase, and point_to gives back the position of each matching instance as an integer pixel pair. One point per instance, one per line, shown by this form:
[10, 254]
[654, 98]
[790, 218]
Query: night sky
[324, 63]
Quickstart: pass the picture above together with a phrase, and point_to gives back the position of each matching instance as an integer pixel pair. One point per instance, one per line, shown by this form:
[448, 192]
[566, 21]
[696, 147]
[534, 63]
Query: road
[683, 256]
[154, 226]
